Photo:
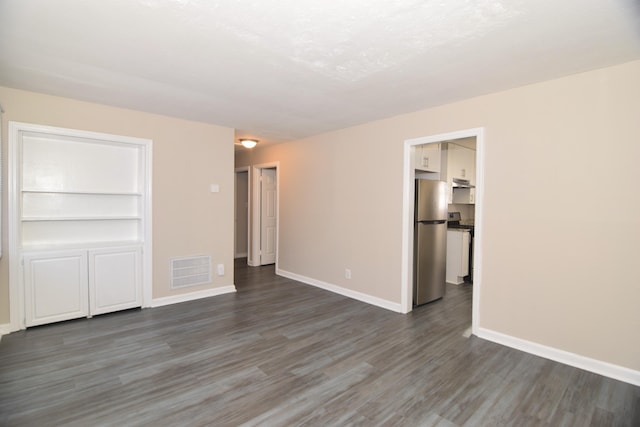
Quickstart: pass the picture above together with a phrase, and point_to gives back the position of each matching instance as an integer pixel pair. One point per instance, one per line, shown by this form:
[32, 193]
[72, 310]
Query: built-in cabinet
[83, 211]
[67, 284]
[427, 158]
[56, 286]
[114, 279]
[461, 163]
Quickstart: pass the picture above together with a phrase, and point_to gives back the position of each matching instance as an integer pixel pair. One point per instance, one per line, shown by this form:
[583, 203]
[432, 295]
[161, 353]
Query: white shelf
[42, 206]
[98, 218]
[86, 193]
[85, 231]
[81, 245]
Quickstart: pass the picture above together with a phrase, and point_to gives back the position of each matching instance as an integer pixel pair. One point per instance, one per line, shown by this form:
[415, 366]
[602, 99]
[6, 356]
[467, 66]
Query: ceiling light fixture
[249, 143]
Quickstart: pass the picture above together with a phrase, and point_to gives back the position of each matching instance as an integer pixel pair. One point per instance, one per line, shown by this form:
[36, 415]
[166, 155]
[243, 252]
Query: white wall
[559, 255]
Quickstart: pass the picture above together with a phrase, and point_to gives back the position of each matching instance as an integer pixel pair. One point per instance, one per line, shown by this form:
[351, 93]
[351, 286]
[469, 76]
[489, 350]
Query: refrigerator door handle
[433, 221]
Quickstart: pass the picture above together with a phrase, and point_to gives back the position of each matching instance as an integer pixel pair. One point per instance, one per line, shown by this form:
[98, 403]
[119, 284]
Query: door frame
[243, 169]
[16, 283]
[408, 202]
[255, 212]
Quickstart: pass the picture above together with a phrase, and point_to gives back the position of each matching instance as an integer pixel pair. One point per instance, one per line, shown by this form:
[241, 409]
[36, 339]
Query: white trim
[1, 192]
[16, 291]
[241, 255]
[389, 305]
[5, 329]
[407, 218]
[254, 243]
[16, 301]
[599, 367]
[147, 245]
[175, 299]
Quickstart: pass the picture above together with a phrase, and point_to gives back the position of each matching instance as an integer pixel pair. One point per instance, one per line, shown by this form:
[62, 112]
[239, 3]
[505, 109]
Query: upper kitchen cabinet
[461, 163]
[427, 158]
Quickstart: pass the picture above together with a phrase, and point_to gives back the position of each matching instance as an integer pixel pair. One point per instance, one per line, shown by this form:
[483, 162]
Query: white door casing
[408, 212]
[268, 216]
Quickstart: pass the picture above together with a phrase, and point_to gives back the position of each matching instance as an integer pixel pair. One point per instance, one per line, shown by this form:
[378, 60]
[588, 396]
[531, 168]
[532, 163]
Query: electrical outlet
[220, 269]
[347, 273]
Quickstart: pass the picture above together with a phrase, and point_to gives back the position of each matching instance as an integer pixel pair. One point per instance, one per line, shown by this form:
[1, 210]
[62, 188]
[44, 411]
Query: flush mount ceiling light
[249, 143]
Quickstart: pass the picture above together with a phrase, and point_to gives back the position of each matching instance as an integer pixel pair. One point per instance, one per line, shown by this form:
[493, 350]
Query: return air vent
[190, 271]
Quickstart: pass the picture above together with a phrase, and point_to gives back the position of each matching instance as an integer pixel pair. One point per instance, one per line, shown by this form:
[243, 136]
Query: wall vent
[190, 271]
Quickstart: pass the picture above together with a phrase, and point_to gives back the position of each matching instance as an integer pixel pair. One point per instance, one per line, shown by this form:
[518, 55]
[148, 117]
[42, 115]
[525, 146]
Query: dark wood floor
[281, 353]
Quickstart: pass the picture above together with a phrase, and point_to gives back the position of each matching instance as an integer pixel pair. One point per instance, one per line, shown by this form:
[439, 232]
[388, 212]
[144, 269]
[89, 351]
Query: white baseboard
[342, 291]
[592, 365]
[175, 299]
[242, 255]
[5, 329]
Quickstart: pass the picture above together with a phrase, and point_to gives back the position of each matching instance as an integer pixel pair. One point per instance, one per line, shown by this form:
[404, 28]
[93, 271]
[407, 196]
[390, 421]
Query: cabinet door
[461, 163]
[457, 256]
[427, 158]
[115, 281]
[55, 286]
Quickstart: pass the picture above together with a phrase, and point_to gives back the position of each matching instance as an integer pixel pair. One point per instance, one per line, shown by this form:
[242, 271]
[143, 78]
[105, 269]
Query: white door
[268, 216]
[55, 286]
[115, 281]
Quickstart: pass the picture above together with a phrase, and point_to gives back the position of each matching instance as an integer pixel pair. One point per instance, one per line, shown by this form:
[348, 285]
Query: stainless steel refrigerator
[430, 241]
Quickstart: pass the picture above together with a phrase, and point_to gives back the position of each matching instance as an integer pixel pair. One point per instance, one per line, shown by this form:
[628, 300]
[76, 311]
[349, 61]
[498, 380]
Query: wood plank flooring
[281, 353]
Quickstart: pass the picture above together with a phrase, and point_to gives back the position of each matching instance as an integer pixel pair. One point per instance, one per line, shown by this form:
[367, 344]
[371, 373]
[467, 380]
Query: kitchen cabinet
[427, 158]
[461, 163]
[69, 284]
[458, 241]
[464, 196]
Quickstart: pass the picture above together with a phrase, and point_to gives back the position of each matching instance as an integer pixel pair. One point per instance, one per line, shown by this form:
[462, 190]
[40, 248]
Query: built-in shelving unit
[81, 203]
[66, 217]
[77, 191]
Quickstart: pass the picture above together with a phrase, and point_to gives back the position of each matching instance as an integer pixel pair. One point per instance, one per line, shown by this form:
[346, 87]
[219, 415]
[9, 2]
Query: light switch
[215, 188]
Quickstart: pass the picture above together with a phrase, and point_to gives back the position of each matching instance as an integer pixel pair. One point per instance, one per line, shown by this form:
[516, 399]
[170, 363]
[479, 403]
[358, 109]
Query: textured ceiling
[285, 69]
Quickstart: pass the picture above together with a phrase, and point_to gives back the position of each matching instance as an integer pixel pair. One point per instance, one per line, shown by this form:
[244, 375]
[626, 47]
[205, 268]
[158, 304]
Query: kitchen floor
[281, 353]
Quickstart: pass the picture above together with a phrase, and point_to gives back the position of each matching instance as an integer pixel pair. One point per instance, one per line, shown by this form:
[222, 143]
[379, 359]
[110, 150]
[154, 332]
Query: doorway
[241, 215]
[408, 213]
[263, 245]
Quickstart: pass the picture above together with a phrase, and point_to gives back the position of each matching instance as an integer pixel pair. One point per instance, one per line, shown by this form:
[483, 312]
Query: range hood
[462, 183]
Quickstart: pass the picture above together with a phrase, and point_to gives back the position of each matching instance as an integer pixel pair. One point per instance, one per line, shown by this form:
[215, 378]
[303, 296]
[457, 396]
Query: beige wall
[559, 255]
[187, 157]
